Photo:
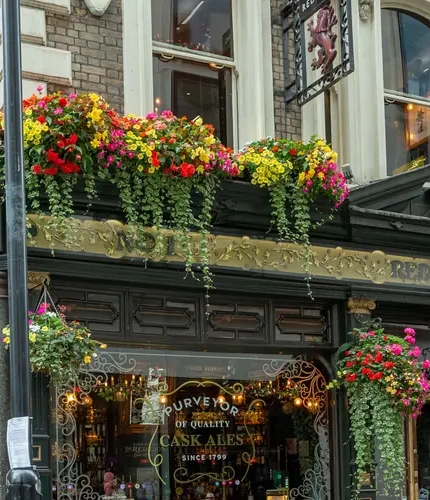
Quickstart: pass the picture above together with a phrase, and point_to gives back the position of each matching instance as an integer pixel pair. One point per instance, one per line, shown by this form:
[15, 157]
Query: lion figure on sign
[323, 37]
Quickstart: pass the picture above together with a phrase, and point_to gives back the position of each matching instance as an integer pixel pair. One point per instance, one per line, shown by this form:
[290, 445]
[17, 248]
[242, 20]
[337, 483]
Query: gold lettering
[210, 441]
[239, 440]
[220, 440]
[185, 440]
[230, 439]
[195, 440]
[175, 441]
[162, 441]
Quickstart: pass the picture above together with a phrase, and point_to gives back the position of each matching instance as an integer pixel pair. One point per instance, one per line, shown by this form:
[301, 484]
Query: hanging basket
[57, 348]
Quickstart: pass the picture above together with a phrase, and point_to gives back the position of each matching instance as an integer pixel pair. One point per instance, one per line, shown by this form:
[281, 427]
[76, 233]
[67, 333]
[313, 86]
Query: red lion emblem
[322, 36]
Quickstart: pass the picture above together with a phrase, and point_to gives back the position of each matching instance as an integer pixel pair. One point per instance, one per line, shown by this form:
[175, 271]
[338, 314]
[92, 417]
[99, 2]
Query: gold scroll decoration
[113, 239]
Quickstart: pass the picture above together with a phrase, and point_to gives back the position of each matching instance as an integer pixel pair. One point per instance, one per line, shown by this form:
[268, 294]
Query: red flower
[349, 364]
[347, 353]
[358, 354]
[61, 144]
[187, 170]
[41, 119]
[388, 365]
[293, 152]
[379, 357]
[378, 375]
[70, 168]
[62, 102]
[154, 159]
[73, 139]
[351, 377]
[54, 158]
[51, 171]
[366, 371]
[37, 169]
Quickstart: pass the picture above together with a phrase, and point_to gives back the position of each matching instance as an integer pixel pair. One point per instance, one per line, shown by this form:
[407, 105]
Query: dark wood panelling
[305, 324]
[237, 321]
[99, 310]
[170, 316]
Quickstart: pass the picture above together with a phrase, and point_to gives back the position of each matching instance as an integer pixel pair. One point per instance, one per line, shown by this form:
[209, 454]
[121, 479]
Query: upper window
[193, 61]
[406, 56]
[203, 25]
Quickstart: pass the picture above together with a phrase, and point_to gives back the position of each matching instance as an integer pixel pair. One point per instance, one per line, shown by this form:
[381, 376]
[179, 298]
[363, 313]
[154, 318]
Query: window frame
[252, 57]
[203, 57]
[392, 96]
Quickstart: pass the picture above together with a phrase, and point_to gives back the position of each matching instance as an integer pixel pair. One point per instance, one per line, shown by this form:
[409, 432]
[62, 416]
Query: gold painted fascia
[113, 239]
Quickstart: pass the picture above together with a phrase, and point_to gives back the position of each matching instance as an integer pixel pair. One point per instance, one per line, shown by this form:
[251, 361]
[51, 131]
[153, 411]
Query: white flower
[34, 327]
[51, 314]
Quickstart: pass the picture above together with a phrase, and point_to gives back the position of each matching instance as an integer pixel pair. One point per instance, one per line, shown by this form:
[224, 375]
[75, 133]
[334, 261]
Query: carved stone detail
[35, 280]
[361, 305]
[98, 7]
[365, 10]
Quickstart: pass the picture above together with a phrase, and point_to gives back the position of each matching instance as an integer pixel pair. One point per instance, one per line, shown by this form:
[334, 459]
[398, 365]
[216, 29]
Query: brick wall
[287, 117]
[96, 47]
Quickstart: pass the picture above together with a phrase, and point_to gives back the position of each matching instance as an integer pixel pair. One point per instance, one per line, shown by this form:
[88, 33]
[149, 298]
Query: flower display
[385, 381]
[167, 170]
[296, 174]
[57, 348]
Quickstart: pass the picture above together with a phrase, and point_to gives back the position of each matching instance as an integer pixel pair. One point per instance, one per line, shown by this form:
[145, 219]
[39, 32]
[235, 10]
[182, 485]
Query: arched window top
[406, 53]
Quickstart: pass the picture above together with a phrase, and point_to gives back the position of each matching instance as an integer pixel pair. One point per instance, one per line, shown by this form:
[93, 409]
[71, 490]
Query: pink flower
[42, 308]
[410, 339]
[396, 349]
[363, 335]
[151, 116]
[371, 333]
[426, 364]
[39, 88]
[409, 331]
[415, 352]
[58, 111]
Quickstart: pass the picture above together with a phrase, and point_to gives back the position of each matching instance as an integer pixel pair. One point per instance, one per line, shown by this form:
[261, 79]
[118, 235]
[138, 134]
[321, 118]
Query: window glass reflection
[406, 49]
[407, 129]
[202, 25]
[193, 89]
[180, 426]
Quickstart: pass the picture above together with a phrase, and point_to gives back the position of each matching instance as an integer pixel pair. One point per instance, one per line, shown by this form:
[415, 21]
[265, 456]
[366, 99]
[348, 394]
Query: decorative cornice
[98, 7]
[113, 239]
[360, 305]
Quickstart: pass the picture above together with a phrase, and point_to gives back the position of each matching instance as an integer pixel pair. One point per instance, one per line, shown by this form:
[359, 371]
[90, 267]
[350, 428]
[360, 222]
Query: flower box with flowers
[385, 380]
[165, 170]
[57, 348]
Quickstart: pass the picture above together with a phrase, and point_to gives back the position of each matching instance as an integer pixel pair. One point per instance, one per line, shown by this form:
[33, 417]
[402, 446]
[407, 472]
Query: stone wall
[96, 47]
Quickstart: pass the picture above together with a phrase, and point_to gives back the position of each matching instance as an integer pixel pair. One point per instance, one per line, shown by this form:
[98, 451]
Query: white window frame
[252, 79]
[393, 96]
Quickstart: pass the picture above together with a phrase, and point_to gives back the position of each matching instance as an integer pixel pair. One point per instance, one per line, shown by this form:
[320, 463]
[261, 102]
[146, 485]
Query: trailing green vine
[167, 171]
[384, 382]
[296, 174]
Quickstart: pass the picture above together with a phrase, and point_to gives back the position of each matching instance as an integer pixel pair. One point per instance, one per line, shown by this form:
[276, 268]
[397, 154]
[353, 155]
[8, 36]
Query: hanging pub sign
[322, 45]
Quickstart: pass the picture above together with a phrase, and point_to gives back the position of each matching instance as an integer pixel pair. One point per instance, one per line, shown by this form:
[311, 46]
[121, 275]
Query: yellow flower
[6, 340]
[140, 168]
[311, 173]
[32, 337]
[151, 170]
[95, 143]
[44, 328]
[87, 359]
[28, 112]
[6, 330]
[94, 97]
[198, 122]
[302, 176]
[103, 346]
[209, 140]
[321, 175]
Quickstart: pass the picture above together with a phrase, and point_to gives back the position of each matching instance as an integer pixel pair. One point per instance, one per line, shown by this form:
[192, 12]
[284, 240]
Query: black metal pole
[23, 482]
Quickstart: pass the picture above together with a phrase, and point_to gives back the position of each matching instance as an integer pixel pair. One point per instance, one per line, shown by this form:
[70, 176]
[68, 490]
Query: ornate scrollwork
[311, 384]
[73, 485]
